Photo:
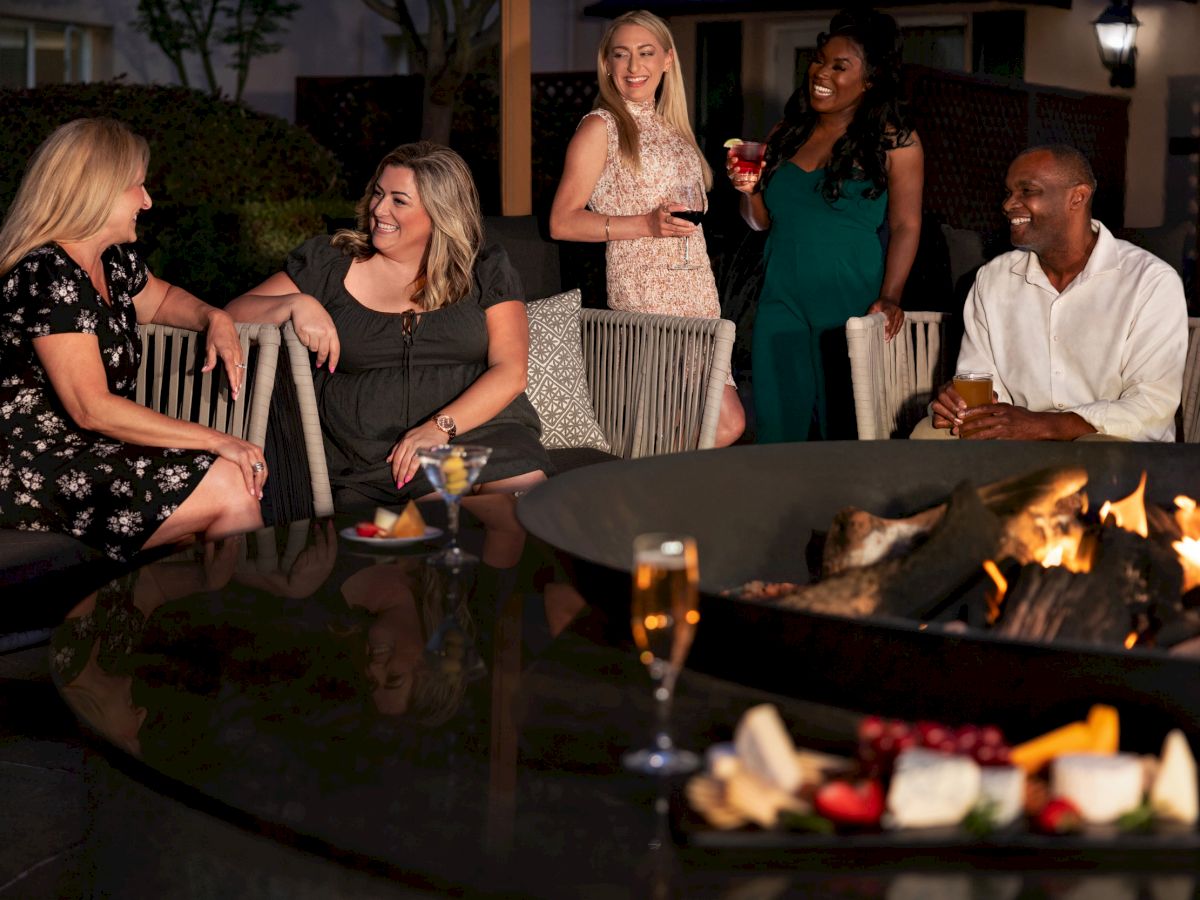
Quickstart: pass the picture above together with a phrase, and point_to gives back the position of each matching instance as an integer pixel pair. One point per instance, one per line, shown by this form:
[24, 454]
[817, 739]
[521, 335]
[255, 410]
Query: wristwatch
[446, 423]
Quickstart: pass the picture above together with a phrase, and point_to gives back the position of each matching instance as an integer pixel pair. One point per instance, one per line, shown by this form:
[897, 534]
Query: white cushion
[557, 383]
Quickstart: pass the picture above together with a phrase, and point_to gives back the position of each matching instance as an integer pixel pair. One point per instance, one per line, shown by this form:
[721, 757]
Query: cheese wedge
[384, 520]
[1173, 792]
[765, 747]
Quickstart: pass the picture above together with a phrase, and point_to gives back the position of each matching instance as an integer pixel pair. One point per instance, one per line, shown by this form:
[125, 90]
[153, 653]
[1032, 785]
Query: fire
[1130, 640]
[995, 599]
[1129, 513]
[1188, 546]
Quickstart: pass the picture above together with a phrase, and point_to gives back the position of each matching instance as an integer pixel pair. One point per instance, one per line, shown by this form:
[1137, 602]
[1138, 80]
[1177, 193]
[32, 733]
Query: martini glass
[452, 469]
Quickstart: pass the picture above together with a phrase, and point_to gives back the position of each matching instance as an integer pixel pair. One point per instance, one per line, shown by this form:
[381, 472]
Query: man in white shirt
[1083, 333]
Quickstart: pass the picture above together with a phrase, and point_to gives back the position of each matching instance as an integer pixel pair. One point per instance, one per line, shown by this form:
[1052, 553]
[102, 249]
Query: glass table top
[455, 730]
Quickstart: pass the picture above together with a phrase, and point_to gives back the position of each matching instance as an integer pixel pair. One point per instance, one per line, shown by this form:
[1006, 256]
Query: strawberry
[850, 803]
[1058, 816]
[366, 529]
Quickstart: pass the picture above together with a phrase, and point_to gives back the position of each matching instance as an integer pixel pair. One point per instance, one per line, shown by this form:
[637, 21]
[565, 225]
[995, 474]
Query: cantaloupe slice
[1099, 734]
[409, 523]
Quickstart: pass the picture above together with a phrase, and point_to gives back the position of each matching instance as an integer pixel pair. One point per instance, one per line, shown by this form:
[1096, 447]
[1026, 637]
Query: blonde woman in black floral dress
[77, 454]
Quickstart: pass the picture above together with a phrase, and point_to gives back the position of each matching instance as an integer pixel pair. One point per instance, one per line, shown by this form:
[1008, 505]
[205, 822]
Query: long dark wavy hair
[879, 123]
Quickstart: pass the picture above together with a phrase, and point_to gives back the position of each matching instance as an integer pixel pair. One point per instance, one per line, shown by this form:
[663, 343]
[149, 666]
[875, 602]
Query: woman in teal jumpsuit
[840, 161]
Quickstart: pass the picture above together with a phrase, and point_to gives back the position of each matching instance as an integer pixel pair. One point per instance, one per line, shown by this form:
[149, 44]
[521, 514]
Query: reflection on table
[458, 730]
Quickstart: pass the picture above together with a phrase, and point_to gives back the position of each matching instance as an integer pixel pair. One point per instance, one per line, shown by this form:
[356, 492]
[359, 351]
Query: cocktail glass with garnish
[452, 469]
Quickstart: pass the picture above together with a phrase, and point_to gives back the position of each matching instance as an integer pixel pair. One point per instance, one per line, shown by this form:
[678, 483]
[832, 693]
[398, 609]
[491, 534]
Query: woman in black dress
[419, 334]
[77, 453]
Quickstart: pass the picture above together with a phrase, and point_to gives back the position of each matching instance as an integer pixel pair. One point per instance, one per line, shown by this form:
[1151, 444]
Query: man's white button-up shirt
[1111, 347]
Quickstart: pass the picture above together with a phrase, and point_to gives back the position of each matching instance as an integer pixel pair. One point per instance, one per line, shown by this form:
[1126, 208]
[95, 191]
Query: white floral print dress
[54, 475]
[640, 277]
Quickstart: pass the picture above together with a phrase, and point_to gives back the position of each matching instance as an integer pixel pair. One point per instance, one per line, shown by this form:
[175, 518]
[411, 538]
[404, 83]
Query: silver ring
[240, 365]
[259, 466]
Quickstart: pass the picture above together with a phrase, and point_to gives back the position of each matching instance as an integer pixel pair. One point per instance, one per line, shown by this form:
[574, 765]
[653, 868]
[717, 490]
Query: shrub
[233, 189]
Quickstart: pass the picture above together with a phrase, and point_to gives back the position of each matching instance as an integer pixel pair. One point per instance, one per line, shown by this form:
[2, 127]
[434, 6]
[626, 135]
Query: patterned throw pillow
[557, 384]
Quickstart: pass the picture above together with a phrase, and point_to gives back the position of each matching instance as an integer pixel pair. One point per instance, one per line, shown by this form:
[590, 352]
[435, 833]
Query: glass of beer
[665, 612]
[975, 388]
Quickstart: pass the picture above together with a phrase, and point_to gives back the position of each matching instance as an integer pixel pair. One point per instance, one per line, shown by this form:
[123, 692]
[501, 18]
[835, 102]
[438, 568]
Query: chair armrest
[894, 380]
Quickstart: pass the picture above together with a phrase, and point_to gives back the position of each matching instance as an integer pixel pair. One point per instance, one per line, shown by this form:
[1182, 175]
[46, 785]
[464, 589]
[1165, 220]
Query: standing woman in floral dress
[626, 169]
[78, 454]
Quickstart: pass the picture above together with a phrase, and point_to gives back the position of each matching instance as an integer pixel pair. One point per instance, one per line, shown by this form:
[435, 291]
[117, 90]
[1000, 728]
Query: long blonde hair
[71, 184]
[671, 104]
[447, 191]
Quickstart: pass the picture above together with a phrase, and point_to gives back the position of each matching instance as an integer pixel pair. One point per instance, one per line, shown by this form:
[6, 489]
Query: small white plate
[351, 535]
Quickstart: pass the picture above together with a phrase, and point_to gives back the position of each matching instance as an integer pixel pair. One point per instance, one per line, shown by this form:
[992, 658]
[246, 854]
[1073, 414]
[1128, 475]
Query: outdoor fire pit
[755, 512]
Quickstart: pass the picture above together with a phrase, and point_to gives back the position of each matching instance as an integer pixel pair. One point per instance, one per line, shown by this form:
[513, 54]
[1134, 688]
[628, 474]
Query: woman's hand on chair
[895, 316]
[316, 330]
[221, 341]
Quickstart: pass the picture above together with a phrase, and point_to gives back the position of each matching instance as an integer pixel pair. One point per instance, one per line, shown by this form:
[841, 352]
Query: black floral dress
[55, 476]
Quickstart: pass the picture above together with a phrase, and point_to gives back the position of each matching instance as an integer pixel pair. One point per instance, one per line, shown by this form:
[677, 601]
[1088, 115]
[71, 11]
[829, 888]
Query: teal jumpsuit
[823, 264]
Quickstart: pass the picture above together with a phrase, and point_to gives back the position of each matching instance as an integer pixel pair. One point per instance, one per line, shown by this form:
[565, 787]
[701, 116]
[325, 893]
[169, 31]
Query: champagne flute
[690, 195]
[452, 469]
[664, 617]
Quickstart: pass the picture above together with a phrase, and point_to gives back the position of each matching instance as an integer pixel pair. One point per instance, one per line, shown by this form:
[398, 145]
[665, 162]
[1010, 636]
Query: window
[36, 53]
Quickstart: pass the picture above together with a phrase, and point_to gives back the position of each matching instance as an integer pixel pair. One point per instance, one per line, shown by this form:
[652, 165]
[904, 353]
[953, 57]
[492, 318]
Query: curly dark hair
[879, 123]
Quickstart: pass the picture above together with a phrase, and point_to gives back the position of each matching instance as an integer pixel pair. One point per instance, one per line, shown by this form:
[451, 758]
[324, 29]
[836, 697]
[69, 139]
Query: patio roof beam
[516, 126]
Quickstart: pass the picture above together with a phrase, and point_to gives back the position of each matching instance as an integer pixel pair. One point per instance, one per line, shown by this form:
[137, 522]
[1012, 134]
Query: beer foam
[660, 560]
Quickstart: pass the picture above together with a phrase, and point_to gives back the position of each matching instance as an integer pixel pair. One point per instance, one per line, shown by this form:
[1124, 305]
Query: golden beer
[664, 616]
[975, 388]
[665, 601]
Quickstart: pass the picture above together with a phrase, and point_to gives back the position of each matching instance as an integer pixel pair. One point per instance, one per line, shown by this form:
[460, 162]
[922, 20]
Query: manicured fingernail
[407, 479]
[399, 484]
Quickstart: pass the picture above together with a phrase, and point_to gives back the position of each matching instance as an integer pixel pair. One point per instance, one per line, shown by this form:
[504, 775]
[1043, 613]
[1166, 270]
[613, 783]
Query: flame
[1187, 517]
[995, 599]
[1071, 551]
[1129, 513]
[1053, 556]
[1130, 639]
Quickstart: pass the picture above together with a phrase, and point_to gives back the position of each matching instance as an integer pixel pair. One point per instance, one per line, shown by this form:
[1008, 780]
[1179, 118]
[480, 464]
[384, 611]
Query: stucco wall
[1060, 49]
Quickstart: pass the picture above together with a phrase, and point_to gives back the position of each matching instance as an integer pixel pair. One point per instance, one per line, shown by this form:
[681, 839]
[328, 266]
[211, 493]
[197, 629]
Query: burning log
[1117, 581]
[1133, 586]
[967, 534]
[1038, 510]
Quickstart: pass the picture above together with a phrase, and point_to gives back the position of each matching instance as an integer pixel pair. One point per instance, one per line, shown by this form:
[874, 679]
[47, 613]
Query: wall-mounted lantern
[1116, 36]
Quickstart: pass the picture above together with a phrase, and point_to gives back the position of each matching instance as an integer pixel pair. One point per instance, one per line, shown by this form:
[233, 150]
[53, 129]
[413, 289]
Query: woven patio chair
[656, 382]
[894, 380]
[1191, 386]
[271, 412]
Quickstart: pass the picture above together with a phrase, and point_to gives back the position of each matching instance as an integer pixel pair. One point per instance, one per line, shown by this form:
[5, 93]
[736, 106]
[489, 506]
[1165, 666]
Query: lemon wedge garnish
[732, 142]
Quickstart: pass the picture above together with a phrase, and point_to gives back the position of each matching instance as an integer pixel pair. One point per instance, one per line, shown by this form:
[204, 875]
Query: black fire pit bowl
[753, 511]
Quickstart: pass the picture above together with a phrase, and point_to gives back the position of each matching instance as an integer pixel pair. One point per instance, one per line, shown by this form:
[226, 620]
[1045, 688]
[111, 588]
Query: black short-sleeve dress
[55, 476]
[398, 370]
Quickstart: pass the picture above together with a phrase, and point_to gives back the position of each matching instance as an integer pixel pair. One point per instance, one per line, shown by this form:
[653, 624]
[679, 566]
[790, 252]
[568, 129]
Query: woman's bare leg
[731, 421]
[218, 507]
[513, 485]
